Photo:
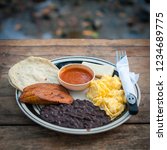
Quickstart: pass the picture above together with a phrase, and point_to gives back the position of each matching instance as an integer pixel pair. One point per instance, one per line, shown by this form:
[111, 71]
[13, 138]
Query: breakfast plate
[33, 111]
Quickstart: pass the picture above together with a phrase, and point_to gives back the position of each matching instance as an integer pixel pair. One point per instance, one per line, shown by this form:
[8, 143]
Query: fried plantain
[45, 93]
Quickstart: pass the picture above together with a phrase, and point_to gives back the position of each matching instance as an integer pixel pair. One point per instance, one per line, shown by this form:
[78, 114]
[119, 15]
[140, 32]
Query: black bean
[81, 114]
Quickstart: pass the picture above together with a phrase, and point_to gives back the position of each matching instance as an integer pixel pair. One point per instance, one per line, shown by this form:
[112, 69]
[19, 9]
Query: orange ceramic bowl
[75, 77]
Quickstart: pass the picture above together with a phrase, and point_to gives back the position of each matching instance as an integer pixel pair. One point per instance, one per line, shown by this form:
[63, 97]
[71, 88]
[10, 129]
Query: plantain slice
[46, 85]
[45, 93]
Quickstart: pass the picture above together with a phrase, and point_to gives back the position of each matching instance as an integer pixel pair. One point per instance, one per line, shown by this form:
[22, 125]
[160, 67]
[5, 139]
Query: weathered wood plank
[144, 83]
[137, 64]
[128, 137]
[99, 51]
[11, 113]
[76, 42]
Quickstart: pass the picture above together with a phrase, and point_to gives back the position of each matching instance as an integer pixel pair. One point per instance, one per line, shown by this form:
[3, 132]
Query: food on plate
[47, 90]
[108, 94]
[81, 114]
[75, 76]
[99, 69]
[32, 70]
[45, 93]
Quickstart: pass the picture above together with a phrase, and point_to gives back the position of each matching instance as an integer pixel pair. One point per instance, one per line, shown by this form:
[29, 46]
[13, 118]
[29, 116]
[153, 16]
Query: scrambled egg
[108, 94]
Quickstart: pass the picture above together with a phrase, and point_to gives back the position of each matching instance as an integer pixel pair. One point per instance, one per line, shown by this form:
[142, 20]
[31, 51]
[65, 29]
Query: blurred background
[111, 19]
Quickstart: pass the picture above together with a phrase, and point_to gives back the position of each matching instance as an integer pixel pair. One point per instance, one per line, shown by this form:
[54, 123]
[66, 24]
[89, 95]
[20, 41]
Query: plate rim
[57, 128]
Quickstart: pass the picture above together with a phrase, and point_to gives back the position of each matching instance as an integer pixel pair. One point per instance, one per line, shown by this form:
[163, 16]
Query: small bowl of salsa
[75, 77]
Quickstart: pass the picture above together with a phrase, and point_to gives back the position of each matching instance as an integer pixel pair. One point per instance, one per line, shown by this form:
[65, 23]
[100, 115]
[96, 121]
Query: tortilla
[32, 70]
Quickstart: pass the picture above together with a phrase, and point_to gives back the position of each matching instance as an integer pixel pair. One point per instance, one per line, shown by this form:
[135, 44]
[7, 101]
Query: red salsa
[76, 76]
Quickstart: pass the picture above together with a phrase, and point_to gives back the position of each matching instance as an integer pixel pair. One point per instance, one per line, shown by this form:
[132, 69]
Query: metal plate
[32, 111]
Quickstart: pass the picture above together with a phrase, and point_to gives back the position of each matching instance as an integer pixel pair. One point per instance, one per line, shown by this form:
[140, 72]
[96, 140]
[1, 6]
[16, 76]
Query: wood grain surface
[19, 132]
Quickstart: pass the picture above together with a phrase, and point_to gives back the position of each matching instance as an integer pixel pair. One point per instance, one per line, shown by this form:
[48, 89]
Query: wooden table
[19, 133]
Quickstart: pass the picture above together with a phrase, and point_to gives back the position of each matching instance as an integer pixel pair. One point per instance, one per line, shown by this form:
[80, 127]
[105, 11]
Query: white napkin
[128, 79]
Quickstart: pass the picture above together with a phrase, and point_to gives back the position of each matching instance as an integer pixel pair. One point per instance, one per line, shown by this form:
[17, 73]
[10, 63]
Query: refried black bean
[81, 114]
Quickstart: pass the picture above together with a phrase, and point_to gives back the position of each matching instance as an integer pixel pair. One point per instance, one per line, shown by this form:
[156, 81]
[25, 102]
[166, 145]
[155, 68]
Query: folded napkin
[128, 79]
